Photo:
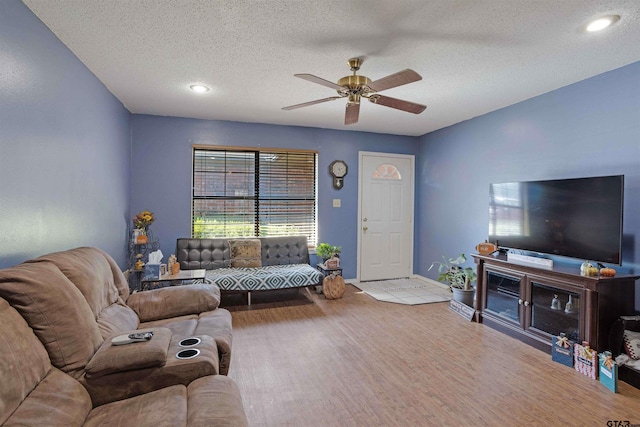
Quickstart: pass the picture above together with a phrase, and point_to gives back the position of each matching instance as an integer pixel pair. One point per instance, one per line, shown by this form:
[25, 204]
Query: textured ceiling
[475, 56]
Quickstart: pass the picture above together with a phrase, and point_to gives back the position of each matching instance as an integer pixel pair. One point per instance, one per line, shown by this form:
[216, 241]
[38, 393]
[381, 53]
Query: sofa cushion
[245, 253]
[23, 362]
[117, 318]
[31, 390]
[213, 400]
[632, 344]
[100, 281]
[58, 400]
[138, 355]
[164, 407]
[281, 250]
[228, 409]
[214, 253]
[264, 278]
[56, 311]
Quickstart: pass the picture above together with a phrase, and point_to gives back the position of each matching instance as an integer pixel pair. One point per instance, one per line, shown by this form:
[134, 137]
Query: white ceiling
[475, 56]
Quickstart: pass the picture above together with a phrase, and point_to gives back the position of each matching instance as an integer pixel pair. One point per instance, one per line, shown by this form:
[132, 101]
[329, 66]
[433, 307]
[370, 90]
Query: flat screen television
[578, 218]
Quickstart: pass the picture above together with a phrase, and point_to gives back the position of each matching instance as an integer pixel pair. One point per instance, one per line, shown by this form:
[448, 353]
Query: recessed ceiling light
[199, 88]
[601, 23]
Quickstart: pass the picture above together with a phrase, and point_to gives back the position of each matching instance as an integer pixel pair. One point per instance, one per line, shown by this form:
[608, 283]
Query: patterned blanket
[264, 278]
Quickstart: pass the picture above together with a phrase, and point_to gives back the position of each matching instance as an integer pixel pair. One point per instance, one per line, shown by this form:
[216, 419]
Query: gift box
[585, 359]
[151, 271]
[562, 350]
[608, 371]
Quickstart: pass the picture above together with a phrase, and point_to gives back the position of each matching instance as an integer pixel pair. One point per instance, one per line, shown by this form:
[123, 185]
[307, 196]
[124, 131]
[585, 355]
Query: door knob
[365, 228]
[364, 219]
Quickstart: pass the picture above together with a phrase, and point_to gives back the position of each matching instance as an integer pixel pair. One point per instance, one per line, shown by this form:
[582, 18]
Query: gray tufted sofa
[285, 264]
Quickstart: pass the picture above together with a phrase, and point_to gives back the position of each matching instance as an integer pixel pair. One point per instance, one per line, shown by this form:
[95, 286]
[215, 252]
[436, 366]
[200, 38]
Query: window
[386, 171]
[246, 193]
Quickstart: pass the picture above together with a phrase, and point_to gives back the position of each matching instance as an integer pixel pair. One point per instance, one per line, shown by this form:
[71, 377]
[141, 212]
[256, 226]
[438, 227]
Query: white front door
[385, 237]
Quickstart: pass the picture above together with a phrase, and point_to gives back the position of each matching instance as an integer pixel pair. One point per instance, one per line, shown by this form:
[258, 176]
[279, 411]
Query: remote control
[131, 338]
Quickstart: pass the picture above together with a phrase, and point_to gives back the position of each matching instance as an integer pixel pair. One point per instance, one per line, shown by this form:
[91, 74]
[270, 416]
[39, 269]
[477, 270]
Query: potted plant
[328, 253]
[457, 277]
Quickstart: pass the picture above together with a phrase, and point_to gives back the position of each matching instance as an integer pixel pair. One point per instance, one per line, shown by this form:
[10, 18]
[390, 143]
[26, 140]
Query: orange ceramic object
[607, 272]
[175, 268]
[486, 248]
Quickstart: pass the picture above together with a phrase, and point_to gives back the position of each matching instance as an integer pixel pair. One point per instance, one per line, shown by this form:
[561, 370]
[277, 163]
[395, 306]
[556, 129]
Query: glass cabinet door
[555, 310]
[503, 293]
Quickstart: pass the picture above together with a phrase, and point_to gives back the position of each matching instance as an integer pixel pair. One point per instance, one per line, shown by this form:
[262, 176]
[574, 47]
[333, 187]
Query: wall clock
[338, 169]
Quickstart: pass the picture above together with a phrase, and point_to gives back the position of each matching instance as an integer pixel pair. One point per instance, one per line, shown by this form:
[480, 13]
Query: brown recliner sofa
[76, 301]
[35, 393]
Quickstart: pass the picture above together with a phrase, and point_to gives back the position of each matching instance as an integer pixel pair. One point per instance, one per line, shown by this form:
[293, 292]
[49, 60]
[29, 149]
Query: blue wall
[586, 129]
[75, 165]
[64, 147]
[161, 171]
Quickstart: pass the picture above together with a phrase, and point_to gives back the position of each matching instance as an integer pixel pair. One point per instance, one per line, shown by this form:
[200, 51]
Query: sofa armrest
[174, 301]
[111, 358]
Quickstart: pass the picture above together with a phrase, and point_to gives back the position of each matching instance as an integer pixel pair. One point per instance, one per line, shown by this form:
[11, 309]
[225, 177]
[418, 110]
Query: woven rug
[405, 291]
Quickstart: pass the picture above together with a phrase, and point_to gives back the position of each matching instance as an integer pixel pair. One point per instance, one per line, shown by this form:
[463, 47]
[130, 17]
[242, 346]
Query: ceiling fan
[356, 87]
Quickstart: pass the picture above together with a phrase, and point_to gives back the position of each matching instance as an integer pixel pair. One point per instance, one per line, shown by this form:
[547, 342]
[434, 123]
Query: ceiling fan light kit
[355, 87]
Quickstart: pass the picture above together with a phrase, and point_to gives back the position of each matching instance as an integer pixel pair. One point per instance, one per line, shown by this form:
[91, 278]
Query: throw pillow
[245, 253]
[632, 344]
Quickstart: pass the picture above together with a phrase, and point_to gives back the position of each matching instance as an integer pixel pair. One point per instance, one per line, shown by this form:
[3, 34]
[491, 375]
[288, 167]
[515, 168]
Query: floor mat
[405, 291]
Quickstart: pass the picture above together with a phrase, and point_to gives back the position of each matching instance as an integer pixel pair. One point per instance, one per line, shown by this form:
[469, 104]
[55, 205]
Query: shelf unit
[519, 300]
[135, 276]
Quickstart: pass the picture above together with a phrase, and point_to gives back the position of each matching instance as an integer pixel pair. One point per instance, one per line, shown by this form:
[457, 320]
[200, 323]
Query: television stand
[534, 304]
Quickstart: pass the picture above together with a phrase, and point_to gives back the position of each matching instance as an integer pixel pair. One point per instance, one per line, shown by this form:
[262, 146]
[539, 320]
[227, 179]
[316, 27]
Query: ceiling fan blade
[398, 104]
[315, 79]
[352, 113]
[306, 104]
[398, 79]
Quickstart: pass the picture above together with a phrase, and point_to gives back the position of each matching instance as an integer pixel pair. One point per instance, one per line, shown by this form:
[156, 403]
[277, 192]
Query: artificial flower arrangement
[143, 219]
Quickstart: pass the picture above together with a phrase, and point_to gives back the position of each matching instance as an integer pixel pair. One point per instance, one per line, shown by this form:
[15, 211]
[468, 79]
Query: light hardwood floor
[360, 362]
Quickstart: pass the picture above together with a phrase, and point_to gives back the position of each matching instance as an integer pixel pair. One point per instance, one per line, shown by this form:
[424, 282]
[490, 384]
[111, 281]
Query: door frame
[412, 161]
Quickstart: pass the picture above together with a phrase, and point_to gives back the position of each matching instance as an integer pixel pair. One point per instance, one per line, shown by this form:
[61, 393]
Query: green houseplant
[327, 251]
[459, 278]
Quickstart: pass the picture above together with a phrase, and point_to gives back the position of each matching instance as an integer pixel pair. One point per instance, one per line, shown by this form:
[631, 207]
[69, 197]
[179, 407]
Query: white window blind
[254, 193]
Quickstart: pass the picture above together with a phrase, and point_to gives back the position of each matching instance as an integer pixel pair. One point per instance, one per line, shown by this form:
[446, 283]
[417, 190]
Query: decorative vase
[333, 287]
[464, 296]
[332, 263]
[140, 236]
[568, 308]
[175, 268]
